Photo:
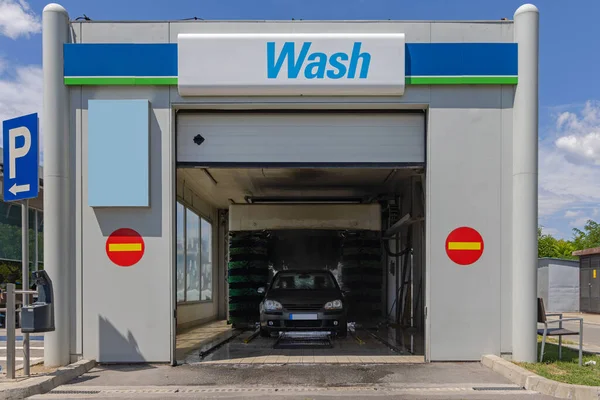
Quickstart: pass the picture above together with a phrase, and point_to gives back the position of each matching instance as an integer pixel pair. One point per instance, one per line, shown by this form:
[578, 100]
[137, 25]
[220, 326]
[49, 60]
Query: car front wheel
[264, 333]
[343, 332]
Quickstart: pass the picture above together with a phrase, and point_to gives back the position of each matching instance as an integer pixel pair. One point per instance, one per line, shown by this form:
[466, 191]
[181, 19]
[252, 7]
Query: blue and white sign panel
[291, 64]
[21, 158]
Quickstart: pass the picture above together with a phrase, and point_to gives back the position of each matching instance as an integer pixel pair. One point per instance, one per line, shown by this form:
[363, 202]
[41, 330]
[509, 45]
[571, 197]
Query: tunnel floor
[360, 348]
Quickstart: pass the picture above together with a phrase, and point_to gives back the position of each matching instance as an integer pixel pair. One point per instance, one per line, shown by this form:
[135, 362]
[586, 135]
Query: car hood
[300, 297]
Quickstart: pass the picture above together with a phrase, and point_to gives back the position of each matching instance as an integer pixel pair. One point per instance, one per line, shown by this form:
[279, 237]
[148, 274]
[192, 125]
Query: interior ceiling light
[302, 200]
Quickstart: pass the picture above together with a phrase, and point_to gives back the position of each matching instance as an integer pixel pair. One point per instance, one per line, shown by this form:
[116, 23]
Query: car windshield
[304, 281]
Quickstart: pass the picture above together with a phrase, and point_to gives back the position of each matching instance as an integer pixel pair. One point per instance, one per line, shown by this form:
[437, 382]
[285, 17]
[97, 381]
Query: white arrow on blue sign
[21, 158]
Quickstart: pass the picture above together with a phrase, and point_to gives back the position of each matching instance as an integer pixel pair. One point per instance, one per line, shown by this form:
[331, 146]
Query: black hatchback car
[300, 300]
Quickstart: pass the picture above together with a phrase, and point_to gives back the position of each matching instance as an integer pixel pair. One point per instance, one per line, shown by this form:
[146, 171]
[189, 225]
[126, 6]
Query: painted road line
[21, 348]
[31, 359]
[19, 338]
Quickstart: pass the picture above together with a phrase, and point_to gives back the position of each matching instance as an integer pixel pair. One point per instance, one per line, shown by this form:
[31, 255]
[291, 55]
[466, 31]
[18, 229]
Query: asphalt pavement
[290, 381]
[591, 333]
[303, 394]
[293, 381]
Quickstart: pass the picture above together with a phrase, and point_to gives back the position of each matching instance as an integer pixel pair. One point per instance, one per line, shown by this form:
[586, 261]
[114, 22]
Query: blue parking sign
[21, 158]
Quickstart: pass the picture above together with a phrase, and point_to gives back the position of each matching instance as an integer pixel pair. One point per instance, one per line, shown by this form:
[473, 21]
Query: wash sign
[316, 65]
[291, 64]
[20, 158]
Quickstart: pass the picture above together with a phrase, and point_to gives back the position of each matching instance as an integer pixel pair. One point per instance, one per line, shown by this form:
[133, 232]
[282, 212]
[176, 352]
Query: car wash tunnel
[325, 259]
[241, 191]
[316, 258]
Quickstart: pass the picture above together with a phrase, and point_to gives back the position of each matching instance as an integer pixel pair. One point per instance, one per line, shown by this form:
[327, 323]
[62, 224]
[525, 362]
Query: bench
[560, 331]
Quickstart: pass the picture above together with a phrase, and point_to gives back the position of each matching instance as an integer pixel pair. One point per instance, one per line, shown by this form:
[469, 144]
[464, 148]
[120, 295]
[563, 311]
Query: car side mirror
[261, 290]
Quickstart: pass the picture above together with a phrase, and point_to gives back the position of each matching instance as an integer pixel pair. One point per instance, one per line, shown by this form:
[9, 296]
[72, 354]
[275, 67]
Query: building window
[194, 256]
[206, 277]
[10, 243]
[180, 252]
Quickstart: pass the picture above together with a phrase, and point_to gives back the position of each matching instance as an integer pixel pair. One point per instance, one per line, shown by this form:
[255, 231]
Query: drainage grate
[303, 343]
[303, 340]
[492, 388]
[75, 392]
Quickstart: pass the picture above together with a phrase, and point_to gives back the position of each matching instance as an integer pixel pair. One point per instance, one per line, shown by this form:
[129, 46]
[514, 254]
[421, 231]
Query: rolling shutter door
[311, 139]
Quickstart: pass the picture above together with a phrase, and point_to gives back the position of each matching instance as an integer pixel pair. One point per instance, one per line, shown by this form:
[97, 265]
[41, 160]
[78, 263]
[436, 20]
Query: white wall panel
[464, 188]
[127, 312]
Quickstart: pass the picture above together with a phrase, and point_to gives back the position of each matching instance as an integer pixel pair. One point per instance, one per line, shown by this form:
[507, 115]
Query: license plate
[304, 317]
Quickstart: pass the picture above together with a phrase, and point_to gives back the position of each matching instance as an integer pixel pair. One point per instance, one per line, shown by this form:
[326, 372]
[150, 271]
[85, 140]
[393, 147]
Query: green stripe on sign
[461, 80]
[410, 80]
[121, 81]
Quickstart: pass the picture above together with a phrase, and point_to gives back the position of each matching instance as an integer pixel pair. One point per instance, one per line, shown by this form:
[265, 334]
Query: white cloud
[579, 222]
[569, 168]
[564, 184]
[550, 231]
[550, 203]
[17, 19]
[20, 91]
[572, 213]
[579, 135]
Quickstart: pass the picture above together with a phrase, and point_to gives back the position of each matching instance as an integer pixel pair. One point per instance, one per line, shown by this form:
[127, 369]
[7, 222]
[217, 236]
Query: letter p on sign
[15, 152]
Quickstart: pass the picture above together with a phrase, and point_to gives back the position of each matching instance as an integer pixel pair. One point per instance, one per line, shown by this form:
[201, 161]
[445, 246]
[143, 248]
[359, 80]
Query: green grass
[567, 370]
[555, 341]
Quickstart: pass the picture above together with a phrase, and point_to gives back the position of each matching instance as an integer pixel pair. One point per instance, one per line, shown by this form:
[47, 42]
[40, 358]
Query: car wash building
[187, 162]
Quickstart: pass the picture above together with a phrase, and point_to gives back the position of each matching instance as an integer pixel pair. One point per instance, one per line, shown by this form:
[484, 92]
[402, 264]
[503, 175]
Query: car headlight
[333, 305]
[272, 305]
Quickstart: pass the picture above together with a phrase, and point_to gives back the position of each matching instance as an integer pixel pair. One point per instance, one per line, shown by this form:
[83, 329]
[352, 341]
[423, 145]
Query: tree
[587, 238]
[564, 249]
[546, 244]
[550, 247]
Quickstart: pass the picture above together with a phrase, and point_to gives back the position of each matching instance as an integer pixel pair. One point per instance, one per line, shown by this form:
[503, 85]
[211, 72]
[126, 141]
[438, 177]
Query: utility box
[589, 263]
[558, 284]
[39, 316]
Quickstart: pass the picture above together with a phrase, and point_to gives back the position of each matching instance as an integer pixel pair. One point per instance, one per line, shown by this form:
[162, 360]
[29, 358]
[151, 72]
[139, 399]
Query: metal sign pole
[25, 261]
[37, 247]
[10, 330]
[21, 182]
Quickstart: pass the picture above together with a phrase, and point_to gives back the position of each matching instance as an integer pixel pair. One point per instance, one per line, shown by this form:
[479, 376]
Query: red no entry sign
[125, 247]
[464, 245]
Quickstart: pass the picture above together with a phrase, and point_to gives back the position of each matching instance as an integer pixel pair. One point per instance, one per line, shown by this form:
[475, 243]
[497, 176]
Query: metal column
[36, 232]
[25, 284]
[57, 160]
[10, 323]
[525, 187]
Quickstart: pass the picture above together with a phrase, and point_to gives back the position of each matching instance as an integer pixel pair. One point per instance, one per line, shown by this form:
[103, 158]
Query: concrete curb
[19, 367]
[532, 381]
[43, 384]
[586, 348]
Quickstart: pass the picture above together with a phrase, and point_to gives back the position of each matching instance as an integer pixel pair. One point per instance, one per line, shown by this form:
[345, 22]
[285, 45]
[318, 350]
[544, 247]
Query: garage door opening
[356, 228]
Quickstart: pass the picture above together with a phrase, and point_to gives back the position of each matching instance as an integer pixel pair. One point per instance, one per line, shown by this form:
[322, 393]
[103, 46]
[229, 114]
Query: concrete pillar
[525, 187]
[57, 156]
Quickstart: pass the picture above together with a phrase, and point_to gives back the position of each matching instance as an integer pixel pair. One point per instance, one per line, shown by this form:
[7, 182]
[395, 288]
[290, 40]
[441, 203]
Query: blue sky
[569, 87]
